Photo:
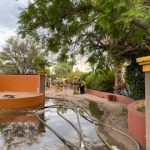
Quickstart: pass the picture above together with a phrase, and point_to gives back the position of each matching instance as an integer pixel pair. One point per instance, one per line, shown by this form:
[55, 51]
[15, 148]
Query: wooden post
[145, 62]
[42, 81]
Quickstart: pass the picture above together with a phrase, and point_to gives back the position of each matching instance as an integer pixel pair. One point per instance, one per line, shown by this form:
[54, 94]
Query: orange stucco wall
[119, 98]
[19, 83]
[136, 124]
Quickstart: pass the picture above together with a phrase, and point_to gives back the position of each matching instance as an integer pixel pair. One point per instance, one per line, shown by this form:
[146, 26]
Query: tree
[19, 56]
[90, 27]
[93, 25]
[62, 69]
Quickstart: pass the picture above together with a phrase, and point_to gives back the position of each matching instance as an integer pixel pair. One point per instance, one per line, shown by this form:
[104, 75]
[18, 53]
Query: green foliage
[78, 74]
[40, 62]
[62, 69]
[135, 79]
[90, 27]
[107, 82]
[101, 81]
[85, 25]
[22, 56]
[92, 81]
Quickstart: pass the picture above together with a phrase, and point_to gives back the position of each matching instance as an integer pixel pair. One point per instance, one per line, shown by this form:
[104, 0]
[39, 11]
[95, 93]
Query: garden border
[136, 119]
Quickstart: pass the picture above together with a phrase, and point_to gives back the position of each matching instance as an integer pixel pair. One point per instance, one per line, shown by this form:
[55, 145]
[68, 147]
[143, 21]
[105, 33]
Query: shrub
[107, 82]
[92, 81]
[102, 81]
[135, 79]
[79, 74]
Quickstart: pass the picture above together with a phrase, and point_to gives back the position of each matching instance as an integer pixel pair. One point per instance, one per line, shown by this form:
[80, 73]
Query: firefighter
[65, 84]
[60, 84]
[79, 85]
[82, 87]
[75, 85]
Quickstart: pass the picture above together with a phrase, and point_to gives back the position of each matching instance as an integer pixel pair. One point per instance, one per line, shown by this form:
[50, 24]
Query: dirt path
[115, 116]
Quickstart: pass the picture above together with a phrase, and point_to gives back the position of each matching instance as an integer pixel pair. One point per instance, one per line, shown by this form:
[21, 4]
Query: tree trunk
[118, 80]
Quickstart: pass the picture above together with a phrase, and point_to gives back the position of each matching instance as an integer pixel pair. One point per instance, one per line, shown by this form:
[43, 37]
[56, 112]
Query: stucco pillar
[147, 104]
[42, 83]
[145, 62]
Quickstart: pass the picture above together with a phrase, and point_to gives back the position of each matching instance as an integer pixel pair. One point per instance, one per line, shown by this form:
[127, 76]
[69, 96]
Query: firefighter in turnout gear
[75, 86]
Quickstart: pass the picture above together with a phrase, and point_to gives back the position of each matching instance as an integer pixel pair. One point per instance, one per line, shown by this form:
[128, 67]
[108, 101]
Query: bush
[79, 74]
[92, 81]
[135, 79]
[102, 81]
[107, 82]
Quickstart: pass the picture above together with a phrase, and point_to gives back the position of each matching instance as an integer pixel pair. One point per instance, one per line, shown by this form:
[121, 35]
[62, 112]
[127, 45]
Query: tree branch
[143, 25]
[133, 49]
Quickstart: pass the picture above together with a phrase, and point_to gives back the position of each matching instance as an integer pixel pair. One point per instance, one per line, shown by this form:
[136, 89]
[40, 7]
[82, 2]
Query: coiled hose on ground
[89, 118]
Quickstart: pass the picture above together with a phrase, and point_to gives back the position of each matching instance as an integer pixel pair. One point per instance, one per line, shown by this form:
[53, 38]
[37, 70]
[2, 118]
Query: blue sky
[9, 11]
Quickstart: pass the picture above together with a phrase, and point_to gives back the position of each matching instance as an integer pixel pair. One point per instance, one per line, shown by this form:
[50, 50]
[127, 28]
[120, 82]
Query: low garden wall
[23, 88]
[110, 96]
[19, 83]
[136, 124]
[136, 119]
[22, 102]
